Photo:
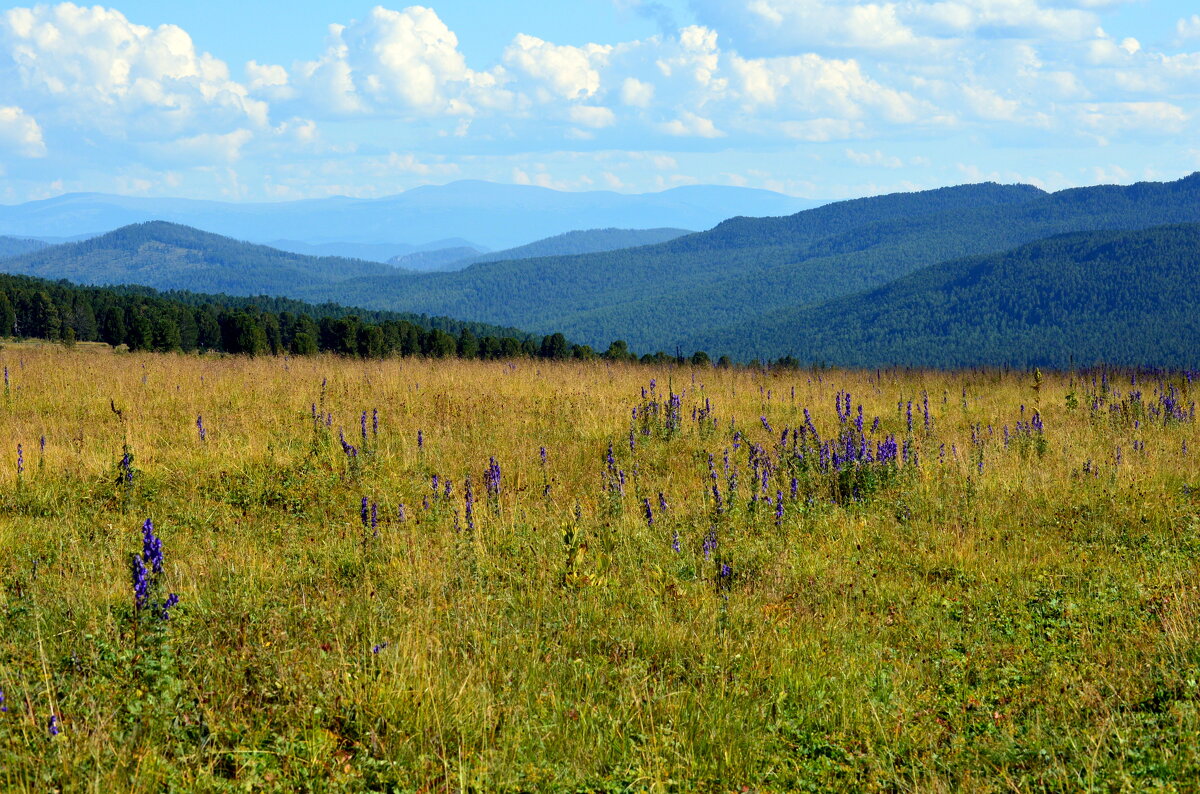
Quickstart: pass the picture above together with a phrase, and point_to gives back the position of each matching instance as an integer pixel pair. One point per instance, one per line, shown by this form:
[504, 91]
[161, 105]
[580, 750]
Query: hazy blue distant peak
[488, 215]
[15, 246]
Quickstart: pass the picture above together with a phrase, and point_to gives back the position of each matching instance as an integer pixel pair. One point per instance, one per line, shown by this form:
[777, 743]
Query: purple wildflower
[141, 581]
[53, 725]
[649, 512]
[374, 421]
[379, 647]
[401, 514]
[469, 500]
[365, 514]
[491, 479]
[152, 547]
[420, 440]
[20, 461]
[200, 427]
[171, 601]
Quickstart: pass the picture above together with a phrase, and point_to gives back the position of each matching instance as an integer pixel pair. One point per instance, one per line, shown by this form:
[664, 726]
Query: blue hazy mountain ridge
[15, 246]
[452, 258]
[369, 252]
[710, 290]
[170, 256]
[676, 293]
[584, 241]
[1118, 297]
[492, 216]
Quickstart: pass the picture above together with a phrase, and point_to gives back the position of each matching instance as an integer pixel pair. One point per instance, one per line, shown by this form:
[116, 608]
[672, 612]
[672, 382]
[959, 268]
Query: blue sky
[816, 98]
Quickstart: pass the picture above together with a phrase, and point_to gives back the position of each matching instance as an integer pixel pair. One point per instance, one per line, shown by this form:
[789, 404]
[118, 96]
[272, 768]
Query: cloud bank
[746, 81]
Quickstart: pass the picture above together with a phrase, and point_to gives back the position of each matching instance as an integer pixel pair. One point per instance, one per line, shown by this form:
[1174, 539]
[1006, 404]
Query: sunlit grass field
[695, 589]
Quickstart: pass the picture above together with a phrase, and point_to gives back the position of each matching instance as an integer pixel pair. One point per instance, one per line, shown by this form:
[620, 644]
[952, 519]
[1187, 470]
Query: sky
[824, 99]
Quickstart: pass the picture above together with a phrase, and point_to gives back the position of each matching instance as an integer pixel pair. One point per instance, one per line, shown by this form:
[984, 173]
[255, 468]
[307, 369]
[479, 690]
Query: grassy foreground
[1002, 596]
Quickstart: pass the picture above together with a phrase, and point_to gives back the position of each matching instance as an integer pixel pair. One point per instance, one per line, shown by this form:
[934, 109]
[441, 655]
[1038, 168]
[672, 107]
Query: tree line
[142, 319]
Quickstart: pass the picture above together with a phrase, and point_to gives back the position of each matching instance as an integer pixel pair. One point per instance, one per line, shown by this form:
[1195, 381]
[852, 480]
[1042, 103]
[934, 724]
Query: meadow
[226, 573]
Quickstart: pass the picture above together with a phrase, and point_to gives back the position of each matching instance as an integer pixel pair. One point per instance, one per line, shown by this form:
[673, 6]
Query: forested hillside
[1126, 298]
[451, 258]
[678, 292]
[15, 246]
[170, 256]
[567, 244]
[709, 291]
[587, 241]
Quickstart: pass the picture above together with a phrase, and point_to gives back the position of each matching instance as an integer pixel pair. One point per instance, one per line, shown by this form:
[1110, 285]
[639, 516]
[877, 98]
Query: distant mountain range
[453, 258]
[976, 274]
[491, 216]
[588, 241]
[169, 256]
[15, 246]
[703, 290]
[370, 252]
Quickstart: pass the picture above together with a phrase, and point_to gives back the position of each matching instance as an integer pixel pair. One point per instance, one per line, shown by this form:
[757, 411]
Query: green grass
[1027, 626]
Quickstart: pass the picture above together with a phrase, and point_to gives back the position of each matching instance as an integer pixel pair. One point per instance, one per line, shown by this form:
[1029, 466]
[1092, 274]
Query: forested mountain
[678, 292]
[491, 215]
[700, 291]
[15, 246]
[1127, 298]
[1114, 297]
[588, 241]
[439, 259]
[370, 252]
[569, 244]
[169, 256]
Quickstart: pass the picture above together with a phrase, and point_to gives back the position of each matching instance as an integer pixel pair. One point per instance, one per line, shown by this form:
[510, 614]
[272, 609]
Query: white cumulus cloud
[635, 93]
[591, 116]
[20, 133]
[92, 67]
[691, 125]
[807, 86]
[394, 63]
[560, 71]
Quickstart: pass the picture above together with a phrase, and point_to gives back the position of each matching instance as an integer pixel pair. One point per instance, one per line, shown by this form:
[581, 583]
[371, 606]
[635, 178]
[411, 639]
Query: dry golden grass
[1028, 625]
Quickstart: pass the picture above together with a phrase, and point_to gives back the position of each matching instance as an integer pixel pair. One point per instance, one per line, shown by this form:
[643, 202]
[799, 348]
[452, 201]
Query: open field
[1003, 599]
